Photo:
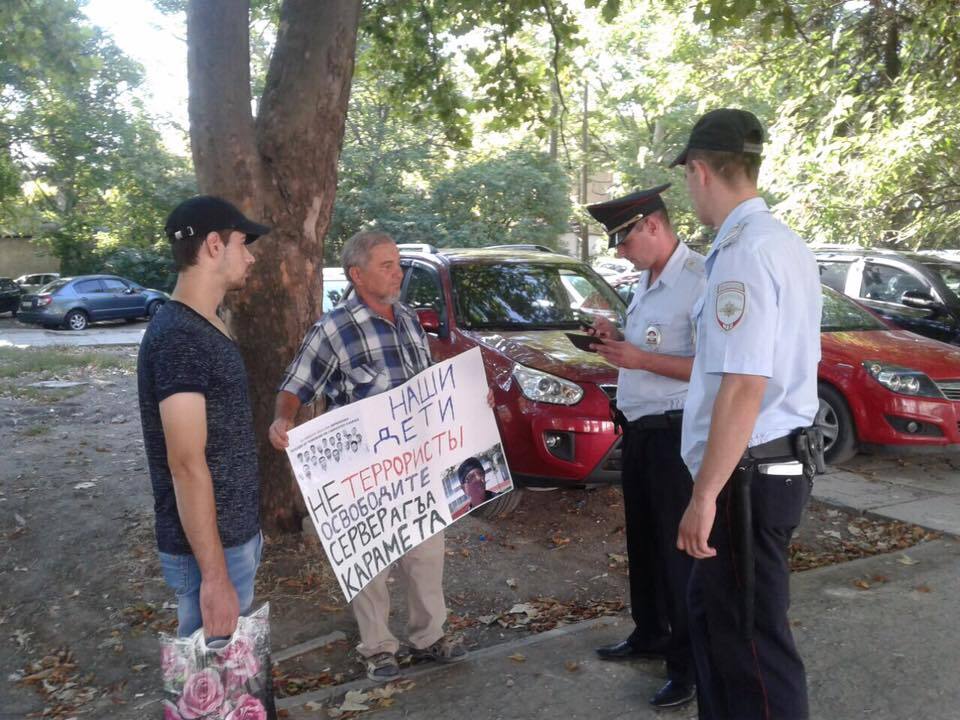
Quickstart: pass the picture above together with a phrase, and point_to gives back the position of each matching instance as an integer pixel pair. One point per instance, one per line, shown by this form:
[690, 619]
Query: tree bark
[282, 170]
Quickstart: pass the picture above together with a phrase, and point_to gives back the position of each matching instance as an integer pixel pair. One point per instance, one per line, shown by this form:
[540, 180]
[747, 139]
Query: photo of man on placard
[475, 481]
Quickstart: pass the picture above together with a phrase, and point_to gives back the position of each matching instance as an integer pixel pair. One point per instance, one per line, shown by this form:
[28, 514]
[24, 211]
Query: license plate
[25, 305]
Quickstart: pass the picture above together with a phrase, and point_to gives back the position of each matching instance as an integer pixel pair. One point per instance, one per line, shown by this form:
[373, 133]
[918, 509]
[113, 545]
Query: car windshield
[949, 273]
[53, 286]
[841, 314]
[333, 292]
[530, 296]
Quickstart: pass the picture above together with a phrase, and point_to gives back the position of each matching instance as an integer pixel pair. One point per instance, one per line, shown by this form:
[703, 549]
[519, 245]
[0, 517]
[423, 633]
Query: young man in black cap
[746, 434]
[654, 354]
[198, 425]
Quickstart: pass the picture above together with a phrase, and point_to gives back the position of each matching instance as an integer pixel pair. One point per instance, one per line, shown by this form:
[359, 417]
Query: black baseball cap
[204, 214]
[618, 216]
[726, 130]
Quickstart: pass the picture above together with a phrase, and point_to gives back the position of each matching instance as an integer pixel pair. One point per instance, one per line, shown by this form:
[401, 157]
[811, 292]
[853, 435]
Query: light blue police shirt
[659, 320]
[760, 315]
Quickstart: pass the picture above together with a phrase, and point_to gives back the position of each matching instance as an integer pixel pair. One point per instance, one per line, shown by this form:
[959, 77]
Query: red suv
[553, 400]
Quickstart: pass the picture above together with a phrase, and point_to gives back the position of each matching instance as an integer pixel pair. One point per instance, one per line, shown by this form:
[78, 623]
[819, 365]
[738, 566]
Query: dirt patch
[82, 600]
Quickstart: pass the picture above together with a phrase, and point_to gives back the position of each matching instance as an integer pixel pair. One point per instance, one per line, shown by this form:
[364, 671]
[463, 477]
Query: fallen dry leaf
[518, 658]
[571, 666]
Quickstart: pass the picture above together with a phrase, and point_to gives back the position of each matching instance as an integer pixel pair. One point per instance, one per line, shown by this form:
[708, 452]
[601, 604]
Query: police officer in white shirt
[746, 434]
[655, 355]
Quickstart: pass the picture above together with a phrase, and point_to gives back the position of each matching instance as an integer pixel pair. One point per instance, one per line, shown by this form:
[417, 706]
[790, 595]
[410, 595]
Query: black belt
[664, 421]
[782, 447]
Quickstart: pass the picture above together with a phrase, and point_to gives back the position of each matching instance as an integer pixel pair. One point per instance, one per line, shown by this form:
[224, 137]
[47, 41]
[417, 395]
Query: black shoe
[674, 694]
[627, 649]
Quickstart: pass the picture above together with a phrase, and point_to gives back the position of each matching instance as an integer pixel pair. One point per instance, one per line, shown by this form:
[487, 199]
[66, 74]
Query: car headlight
[544, 387]
[902, 380]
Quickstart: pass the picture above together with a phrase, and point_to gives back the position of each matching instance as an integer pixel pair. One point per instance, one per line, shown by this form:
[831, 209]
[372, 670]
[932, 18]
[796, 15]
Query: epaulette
[695, 264]
[732, 236]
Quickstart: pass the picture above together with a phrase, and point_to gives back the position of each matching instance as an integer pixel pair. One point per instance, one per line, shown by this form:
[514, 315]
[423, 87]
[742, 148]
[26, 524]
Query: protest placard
[382, 475]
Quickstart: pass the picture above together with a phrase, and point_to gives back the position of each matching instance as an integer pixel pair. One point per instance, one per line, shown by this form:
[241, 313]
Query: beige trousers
[427, 612]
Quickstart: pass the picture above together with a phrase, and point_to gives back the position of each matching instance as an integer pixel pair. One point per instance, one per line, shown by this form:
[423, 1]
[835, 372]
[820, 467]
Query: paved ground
[889, 652]
[16, 334]
[920, 490]
[879, 636]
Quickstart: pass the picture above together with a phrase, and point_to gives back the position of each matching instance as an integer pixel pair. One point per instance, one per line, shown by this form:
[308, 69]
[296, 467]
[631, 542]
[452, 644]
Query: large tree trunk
[282, 170]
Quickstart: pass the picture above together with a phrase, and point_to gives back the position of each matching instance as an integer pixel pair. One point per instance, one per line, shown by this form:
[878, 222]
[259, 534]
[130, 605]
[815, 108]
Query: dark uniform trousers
[760, 678]
[656, 490]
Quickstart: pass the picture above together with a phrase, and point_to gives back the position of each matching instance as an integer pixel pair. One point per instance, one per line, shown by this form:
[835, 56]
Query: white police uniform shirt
[760, 315]
[659, 320]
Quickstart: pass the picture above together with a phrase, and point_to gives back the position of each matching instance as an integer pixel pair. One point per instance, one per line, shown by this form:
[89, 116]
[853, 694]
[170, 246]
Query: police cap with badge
[620, 215]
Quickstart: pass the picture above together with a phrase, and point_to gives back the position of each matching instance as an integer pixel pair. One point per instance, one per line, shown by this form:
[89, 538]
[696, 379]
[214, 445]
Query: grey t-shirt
[183, 352]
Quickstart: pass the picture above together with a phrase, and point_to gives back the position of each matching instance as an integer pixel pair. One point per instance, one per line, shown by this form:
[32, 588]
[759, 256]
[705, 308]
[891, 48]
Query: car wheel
[502, 505]
[153, 307]
[76, 320]
[833, 418]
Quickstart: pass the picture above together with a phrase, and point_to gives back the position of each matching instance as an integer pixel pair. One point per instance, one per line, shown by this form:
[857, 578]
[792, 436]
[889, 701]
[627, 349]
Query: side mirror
[920, 300]
[429, 320]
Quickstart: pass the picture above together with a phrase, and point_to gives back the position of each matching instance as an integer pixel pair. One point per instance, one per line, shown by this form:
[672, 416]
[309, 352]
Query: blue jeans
[183, 575]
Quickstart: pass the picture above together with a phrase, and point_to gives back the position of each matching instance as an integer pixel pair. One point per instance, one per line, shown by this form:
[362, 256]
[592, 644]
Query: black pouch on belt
[808, 449]
[619, 420]
[742, 532]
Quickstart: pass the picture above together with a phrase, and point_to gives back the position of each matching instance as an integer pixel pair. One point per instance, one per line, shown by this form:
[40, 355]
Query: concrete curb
[506, 648]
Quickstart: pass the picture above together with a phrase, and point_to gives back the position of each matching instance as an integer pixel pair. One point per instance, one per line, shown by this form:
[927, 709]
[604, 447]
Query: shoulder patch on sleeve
[731, 304]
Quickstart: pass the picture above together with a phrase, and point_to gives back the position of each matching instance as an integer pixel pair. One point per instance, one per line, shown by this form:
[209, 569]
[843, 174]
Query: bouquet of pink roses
[231, 682]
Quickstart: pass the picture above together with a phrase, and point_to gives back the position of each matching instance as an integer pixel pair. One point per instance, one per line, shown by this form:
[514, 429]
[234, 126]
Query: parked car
[335, 285]
[515, 305]
[610, 267]
[34, 281]
[878, 385]
[918, 292]
[75, 302]
[10, 293]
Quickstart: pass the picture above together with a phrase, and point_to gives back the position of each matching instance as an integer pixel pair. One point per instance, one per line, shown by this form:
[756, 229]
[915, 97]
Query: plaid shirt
[352, 353]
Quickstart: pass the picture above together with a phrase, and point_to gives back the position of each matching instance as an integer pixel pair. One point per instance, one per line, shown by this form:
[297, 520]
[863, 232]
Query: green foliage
[517, 197]
[151, 267]
[402, 176]
[858, 99]
[421, 43]
[81, 165]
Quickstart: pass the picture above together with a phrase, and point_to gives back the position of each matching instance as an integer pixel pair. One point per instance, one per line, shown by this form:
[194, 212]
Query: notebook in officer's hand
[583, 341]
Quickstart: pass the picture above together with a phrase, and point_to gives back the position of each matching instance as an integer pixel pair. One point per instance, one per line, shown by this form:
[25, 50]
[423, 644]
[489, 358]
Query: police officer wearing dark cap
[747, 435]
[655, 355]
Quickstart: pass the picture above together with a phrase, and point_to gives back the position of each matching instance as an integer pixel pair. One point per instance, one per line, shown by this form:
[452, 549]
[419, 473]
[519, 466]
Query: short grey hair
[356, 250]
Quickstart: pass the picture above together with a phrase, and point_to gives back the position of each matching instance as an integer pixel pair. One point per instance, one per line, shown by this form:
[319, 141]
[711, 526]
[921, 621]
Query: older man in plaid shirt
[369, 344]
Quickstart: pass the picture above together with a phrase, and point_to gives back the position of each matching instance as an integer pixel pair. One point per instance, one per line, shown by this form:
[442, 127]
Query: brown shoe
[445, 650]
